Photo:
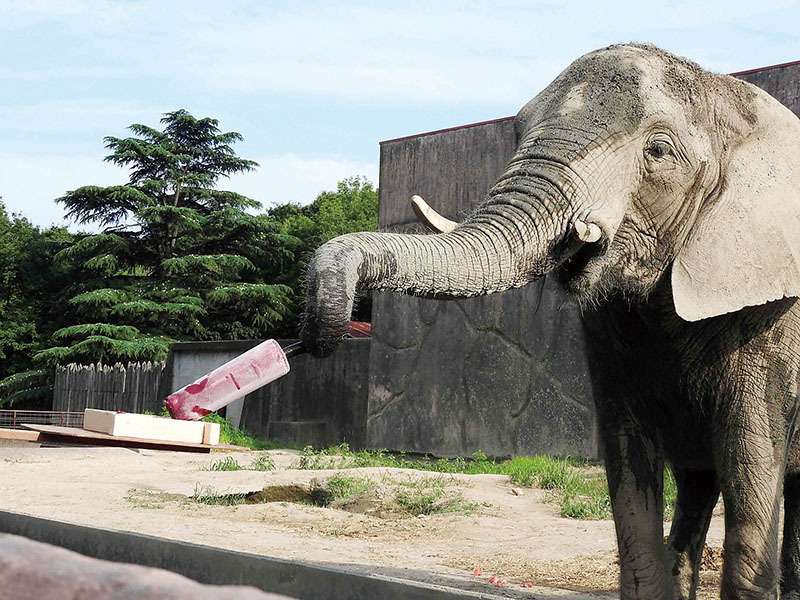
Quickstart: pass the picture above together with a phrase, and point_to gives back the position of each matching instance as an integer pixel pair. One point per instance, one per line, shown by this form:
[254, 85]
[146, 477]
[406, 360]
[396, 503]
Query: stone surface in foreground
[34, 571]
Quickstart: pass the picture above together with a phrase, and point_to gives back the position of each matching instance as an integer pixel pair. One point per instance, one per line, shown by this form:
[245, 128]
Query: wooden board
[19, 434]
[74, 435]
[149, 427]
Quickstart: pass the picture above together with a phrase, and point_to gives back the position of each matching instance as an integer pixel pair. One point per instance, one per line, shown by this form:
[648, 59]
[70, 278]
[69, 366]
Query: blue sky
[313, 86]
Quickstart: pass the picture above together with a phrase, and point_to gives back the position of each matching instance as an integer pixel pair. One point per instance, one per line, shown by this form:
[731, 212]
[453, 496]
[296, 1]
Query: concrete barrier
[295, 579]
[32, 570]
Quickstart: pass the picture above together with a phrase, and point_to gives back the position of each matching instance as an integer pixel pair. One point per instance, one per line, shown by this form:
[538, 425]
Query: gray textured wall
[783, 82]
[331, 391]
[506, 374]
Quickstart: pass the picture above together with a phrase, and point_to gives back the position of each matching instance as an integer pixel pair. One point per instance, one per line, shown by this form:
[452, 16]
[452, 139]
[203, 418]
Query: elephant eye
[658, 149]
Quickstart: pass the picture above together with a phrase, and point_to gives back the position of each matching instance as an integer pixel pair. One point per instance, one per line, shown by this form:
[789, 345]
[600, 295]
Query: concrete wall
[332, 392]
[506, 374]
[319, 402]
[782, 81]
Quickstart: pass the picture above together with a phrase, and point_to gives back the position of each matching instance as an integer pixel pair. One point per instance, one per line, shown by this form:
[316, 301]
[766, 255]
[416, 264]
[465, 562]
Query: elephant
[666, 200]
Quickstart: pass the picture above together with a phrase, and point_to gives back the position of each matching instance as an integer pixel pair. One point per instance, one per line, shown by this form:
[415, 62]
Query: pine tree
[177, 259]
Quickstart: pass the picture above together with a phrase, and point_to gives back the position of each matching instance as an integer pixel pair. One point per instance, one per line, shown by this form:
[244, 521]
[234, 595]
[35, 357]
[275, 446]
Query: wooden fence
[132, 388]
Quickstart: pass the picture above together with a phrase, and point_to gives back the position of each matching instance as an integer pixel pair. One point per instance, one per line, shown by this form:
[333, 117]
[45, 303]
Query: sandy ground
[512, 534]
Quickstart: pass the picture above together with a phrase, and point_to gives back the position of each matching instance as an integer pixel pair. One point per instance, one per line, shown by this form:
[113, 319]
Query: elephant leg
[790, 552]
[751, 479]
[697, 495]
[635, 470]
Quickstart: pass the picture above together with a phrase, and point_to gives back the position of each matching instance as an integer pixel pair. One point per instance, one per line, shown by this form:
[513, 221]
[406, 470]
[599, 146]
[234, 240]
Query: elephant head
[632, 166]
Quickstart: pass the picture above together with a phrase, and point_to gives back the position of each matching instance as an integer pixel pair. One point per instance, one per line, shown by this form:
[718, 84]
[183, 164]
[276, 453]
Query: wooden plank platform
[19, 434]
[74, 435]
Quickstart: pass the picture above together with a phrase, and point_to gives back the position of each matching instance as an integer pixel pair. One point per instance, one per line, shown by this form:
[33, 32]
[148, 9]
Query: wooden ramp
[73, 435]
[23, 435]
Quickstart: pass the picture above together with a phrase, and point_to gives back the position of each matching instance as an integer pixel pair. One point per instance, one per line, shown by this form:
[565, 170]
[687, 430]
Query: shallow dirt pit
[412, 521]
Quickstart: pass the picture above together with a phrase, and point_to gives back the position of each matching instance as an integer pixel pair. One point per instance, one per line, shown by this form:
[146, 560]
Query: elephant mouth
[577, 273]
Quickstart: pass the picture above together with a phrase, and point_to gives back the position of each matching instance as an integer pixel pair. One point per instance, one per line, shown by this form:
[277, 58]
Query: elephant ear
[744, 248]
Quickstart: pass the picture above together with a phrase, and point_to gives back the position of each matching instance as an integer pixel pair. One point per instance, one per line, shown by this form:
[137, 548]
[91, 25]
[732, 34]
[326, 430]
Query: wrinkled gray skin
[689, 297]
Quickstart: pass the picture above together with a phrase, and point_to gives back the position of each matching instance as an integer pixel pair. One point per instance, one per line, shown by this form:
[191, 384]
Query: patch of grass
[226, 464]
[342, 457]
[670, 493]
[208, 495]
[587, 508]
[420, 483]
[343, 487]
[141, 503]
[582, 497]
[545, 472]
[577, 484]
[580, 490]
[419, 502]
[338, 489]
[337, 457]
[429, 497]
[582, 493]
[263, 462]
[228, 434]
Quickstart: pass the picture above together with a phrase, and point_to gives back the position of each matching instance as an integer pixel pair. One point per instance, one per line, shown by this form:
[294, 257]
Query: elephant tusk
[587, 232]
[430, 218]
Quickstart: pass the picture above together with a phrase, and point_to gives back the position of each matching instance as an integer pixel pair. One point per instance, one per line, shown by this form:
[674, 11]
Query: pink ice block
[236, 378]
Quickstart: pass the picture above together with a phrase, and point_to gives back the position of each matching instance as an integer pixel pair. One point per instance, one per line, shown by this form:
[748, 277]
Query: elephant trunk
[509, 242]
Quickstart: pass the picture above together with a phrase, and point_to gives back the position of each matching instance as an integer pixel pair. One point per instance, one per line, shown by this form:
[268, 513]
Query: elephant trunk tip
[321, 340]
[330, 290]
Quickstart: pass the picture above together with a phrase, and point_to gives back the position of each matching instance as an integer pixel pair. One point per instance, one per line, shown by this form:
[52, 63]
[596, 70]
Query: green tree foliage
[177, 259]
[30, 284]
[352, 207]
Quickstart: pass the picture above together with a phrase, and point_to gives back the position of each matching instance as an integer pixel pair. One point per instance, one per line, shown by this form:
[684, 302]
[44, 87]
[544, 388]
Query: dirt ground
[511, 534]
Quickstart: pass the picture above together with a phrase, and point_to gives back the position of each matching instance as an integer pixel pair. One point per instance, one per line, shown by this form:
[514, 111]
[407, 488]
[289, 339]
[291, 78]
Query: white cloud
[73, 13]
[429, 53]
[292, 178]
[443, 52]
[29, 184]
[86, 116]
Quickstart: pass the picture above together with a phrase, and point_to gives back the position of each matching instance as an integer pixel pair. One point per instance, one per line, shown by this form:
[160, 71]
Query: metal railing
[13, 419]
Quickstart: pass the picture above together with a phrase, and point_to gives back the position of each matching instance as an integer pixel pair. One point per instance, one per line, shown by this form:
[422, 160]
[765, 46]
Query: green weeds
[577, 485]
[208, 495]
[670, 493]
[226, 464]
[426, 496]
[263, 462]
[338, 489]
[228, 434]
